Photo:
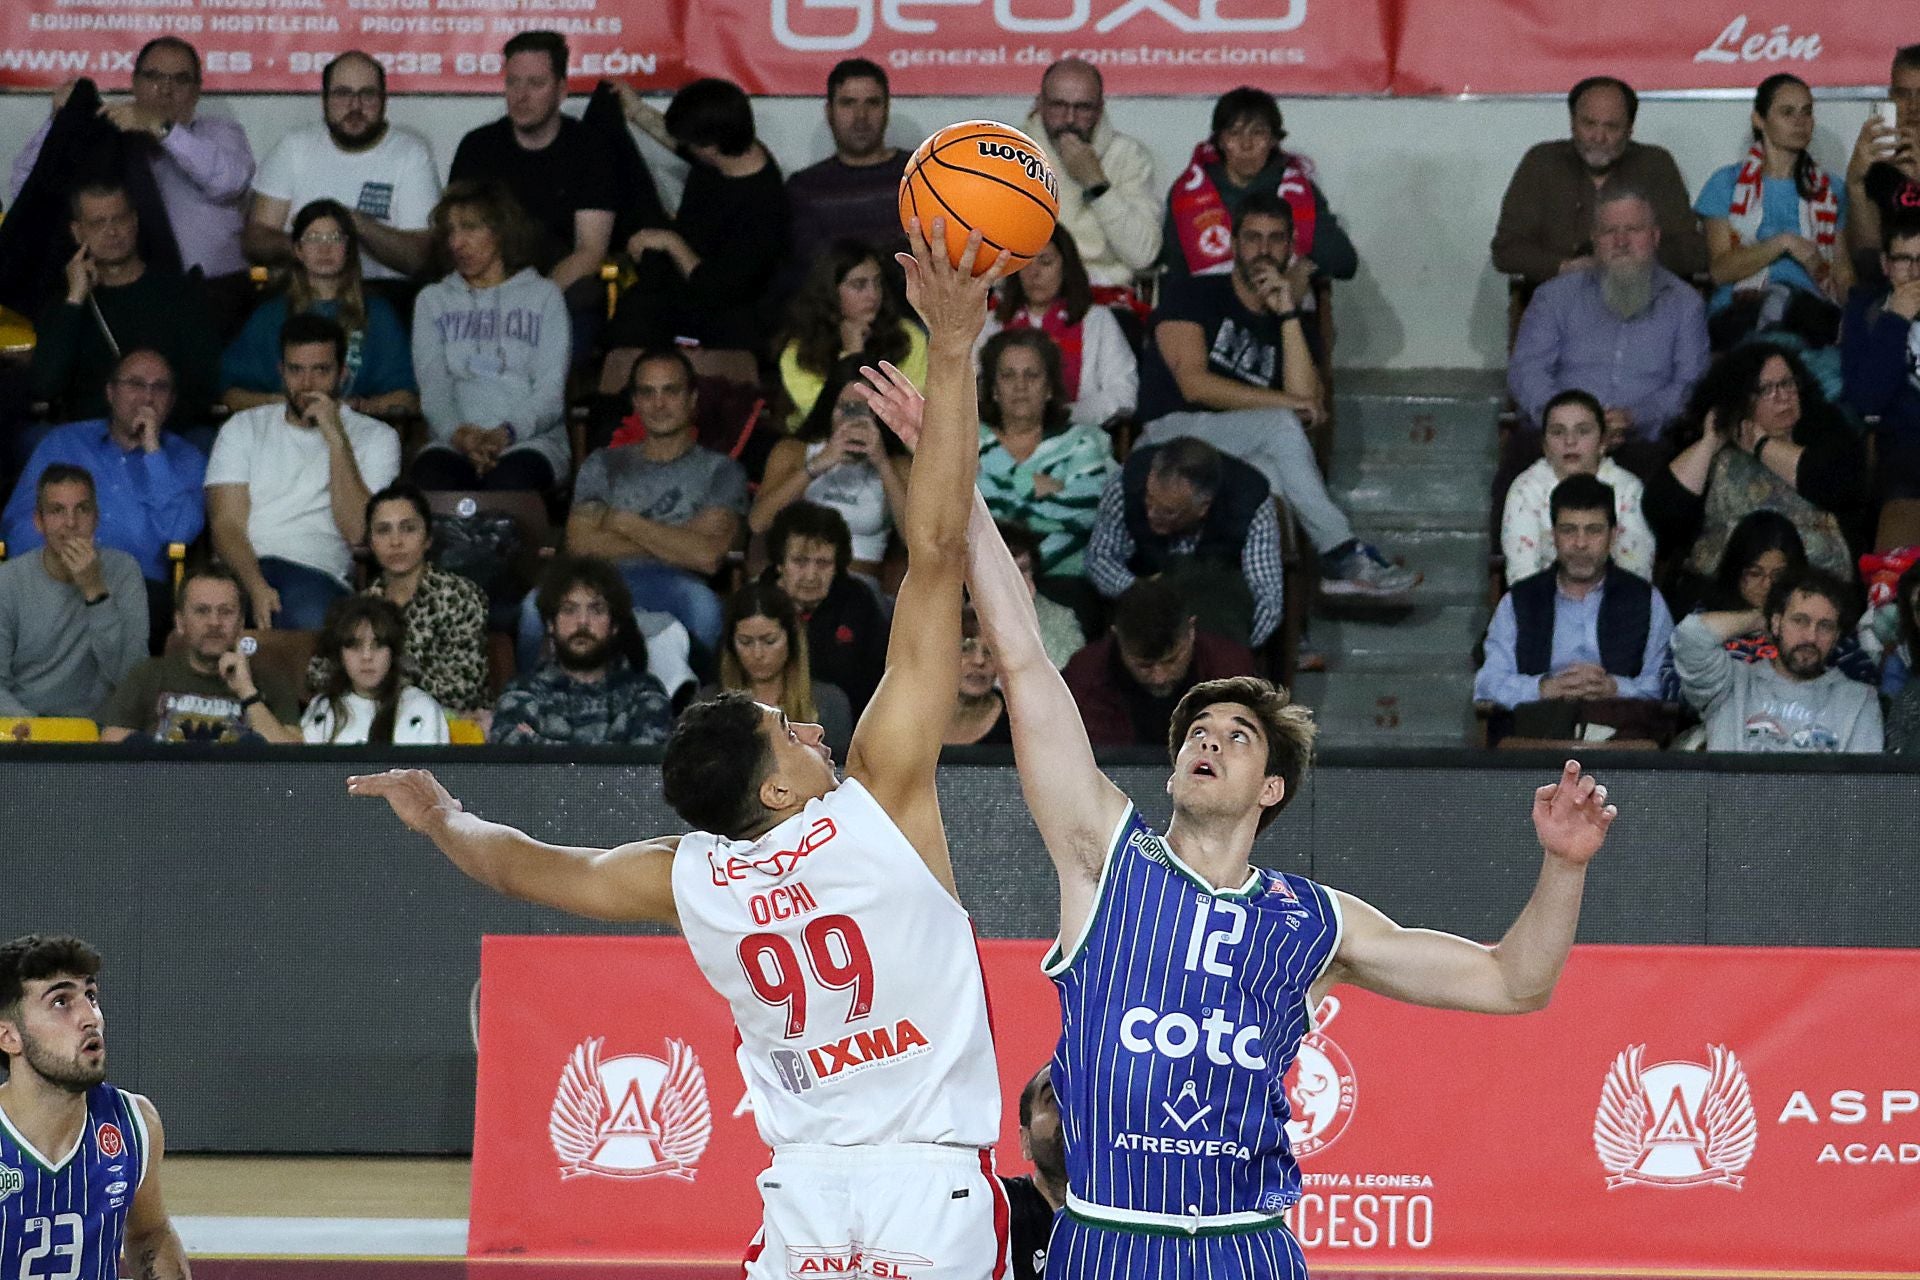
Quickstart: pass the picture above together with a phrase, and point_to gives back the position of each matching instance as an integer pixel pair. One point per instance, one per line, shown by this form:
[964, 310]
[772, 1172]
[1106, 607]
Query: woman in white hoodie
[491, 345]
[367, 698]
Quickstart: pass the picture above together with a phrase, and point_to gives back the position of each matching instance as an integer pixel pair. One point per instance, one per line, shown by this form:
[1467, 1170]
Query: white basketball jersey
[853, 975]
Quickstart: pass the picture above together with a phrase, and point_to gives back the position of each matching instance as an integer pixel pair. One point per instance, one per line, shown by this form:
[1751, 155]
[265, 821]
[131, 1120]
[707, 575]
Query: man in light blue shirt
[1582, 629]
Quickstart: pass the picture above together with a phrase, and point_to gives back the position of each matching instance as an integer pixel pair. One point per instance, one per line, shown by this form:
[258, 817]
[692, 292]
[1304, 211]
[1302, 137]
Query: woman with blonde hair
[764, 653]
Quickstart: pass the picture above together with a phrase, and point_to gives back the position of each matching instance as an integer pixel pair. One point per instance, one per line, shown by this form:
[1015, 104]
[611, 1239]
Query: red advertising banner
[1001, 46]
[269, 46]
[1547, 46]
[1704, 1109]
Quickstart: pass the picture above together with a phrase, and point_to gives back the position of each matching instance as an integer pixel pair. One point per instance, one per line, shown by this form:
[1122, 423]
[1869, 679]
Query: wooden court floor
[316, 1186]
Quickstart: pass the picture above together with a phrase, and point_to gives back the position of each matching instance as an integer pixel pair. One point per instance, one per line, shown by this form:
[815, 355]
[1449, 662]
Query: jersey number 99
[836, 953]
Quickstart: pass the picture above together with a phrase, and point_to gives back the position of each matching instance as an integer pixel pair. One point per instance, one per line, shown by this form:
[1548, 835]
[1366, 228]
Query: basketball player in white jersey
[825, 910]
[1187, 977]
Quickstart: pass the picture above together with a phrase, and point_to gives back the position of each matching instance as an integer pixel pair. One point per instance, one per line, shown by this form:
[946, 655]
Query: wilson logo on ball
[981, 175]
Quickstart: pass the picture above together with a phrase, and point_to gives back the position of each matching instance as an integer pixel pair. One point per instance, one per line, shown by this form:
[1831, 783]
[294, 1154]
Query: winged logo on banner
[1728, 1115]
[1675, 1124]
[681, 1114]
[632, 1116]
[1621, 1125]
[579, 1108]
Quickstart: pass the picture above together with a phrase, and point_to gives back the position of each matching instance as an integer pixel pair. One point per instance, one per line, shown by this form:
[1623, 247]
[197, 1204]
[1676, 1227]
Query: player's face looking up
[801, 762]
[1221, 770]
[59, 1030]
[806, 571]
[209, 618]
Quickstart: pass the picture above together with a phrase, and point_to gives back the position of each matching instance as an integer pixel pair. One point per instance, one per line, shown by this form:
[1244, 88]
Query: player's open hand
[894, 400]
[417, 797]
[951, 299]
[1572, 816]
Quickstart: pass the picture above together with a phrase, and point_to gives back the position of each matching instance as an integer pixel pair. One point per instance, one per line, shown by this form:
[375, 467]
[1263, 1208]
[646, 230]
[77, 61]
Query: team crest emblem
[12, 1182]
[631, 1116]
[1321, 1087]
[1675, 1124]
[111, 1143]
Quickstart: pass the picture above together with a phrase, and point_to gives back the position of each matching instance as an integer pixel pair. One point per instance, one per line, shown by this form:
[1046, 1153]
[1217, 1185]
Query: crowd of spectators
[318, 373]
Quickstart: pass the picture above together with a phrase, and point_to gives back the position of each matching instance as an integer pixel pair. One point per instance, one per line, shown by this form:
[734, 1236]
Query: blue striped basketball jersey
[63, 1217]
[1182, 1007]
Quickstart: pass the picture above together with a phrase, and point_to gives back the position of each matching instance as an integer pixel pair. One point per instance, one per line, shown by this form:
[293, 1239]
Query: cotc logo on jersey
[1675, 1124]
[1321, 1087]
[632, 1116]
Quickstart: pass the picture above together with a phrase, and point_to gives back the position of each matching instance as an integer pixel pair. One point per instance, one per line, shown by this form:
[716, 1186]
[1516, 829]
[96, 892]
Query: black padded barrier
[289, 969]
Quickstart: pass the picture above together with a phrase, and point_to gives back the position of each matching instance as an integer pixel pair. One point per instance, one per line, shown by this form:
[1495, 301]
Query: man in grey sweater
[73, 614]
[1792, 701]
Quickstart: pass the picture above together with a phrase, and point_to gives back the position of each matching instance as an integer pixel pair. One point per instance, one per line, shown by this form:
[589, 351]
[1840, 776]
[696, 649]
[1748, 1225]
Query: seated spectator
[287, 485]
[382, 172]
[1624, 328]
[704, 278]
[1547, 214]
[1763, 548]
[597, 688]
[1060, 631]
[844, 310]
[1228, 363]
[324, 280]
[1878, 337]
[1774, 223]
[490, 354]
[73, 614]
[1108, 201]
[1903, 722]
[1037, 468]
[1583, 629]
[1574, 440]
[445, 649]
[855, 192]
[554, 170]
[979, 716]
[765, 655]
[1242, 158]
[1034, 1200]
[116, 303]
[809, 552]
[1052, 294]
[1128, 682]
[201, 164]
[664, 512]
[1186, 512]
[1767, 439]
[1883, 172]
[1896, 677]
[843, 460]
[147, 481]
[204, 690]
[367, 699]
[1794, 702]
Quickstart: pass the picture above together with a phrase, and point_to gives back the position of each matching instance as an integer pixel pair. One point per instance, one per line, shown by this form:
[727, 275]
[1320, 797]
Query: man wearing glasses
[202, 164]
[384, 174]
[146, 480]
[1107, 195]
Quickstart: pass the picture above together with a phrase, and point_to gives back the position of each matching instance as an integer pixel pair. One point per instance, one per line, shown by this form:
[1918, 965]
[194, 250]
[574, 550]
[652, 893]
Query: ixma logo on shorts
[631, 1116]
[1675, 1124]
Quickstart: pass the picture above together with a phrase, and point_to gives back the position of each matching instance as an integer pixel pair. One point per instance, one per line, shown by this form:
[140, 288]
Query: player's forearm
[159, 1256]
[1535, 949]
[1001, 599]
[500, 857]
[947, 459]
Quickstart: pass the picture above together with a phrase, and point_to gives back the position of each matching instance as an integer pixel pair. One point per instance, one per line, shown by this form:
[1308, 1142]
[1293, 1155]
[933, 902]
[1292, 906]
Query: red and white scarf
[1205, 228]
[1068, 337]
[1819, 217]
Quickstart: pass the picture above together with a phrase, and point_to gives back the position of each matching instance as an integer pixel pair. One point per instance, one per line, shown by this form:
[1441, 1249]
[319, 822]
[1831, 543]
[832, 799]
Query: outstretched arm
[152, 1247]
[897, 743]
[632, 882]
[1518, 974]
[1075, 806]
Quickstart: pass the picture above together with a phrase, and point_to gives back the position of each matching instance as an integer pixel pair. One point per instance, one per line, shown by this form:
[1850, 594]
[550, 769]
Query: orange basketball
[985, 175]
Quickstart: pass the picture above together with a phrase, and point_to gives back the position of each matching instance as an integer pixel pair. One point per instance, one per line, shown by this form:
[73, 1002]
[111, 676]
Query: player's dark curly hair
[714, 764]
[1289, 728]
[36, 957]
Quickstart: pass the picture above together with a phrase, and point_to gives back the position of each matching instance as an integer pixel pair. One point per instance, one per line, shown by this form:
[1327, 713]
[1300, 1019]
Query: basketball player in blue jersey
[79, 1158]
[1187, 976]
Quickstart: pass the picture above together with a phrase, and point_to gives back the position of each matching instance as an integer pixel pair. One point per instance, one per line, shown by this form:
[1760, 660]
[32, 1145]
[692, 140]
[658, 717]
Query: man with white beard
[1625, 329]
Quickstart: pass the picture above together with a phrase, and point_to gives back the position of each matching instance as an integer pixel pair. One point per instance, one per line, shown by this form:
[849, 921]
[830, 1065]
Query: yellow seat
[462, 732]
[48, 729]
[16, 333]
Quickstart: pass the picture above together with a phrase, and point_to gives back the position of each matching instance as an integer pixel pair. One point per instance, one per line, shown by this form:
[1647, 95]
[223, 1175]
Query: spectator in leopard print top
[446, 615]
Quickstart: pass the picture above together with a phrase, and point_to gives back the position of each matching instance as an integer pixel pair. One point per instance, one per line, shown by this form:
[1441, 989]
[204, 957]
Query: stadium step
[1390, 708]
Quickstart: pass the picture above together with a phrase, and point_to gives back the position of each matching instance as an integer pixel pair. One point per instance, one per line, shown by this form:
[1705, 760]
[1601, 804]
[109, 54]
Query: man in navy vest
[1205, 521]
[1582, 629]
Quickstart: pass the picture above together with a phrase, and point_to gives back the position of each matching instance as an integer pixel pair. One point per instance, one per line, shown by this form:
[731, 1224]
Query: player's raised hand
[894, 400]
[1572, 816]
[951, 299]
[417, 797]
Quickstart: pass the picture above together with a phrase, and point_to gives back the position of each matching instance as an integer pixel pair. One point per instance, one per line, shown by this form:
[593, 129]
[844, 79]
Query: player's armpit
[1422, 966]
[152, 1248]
